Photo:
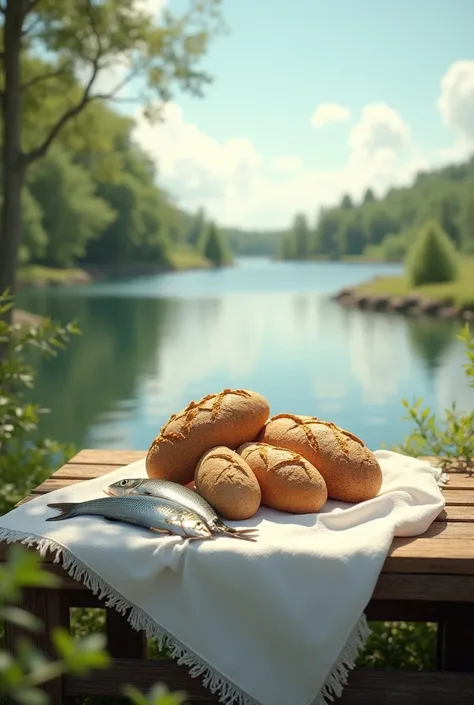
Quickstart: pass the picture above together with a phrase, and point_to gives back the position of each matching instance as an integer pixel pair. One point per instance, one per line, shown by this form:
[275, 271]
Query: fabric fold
[268, 623]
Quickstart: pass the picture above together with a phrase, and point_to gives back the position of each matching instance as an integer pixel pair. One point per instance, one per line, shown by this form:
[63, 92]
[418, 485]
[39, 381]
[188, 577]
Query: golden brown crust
[350, 469]
[287, 481]
[228, 419]
[226, 481]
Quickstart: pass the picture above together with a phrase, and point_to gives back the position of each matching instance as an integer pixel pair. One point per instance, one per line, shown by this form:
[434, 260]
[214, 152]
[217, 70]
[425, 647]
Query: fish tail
[65, 508]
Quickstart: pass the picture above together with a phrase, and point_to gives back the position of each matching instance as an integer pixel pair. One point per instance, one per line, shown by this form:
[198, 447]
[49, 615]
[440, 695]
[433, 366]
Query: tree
[301, 237]
[368, 197]
[86, 37]
[213, 246]
[197, 228]
[71, 213]
[432, 257]
[326, 236]
[352, 236]
[380, 224]
[346, 203]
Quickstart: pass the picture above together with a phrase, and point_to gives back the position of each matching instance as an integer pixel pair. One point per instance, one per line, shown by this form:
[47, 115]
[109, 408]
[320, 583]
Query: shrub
[432, 258]
[24, 463]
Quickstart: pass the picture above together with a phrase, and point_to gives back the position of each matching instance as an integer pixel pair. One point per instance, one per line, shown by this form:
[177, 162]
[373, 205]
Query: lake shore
[42, 277]
[397, 295]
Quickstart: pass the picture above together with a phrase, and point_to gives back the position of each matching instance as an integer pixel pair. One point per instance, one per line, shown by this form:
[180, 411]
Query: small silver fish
[174, 492]
[158, 515]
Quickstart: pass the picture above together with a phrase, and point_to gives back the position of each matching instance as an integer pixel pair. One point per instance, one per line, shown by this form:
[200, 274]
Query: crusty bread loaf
[288, 482]
[226, 481]
[229, 418]
[350, 469]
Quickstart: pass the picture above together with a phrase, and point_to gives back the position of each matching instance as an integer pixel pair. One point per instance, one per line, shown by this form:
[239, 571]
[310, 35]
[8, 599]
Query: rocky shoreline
[410, 305]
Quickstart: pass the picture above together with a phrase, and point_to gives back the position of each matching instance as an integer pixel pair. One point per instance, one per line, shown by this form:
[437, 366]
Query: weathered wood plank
[92, 456]
[82, 472]
[463, 497]
[457, 637]
[364, 686]
[122, 640]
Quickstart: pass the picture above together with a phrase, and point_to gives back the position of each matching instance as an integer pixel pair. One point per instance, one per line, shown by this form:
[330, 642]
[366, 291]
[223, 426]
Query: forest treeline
[384, 228]
[93, 198]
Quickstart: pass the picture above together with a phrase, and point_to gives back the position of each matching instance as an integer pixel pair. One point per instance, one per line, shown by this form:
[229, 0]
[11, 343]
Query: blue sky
[282, 59]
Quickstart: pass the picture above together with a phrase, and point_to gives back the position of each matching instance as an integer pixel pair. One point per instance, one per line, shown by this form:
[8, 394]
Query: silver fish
[158, 515]
[184, 496]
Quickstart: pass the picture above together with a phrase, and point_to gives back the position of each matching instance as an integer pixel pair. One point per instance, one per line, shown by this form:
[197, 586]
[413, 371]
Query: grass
[458, 293]
[185, 257]
[37, 275]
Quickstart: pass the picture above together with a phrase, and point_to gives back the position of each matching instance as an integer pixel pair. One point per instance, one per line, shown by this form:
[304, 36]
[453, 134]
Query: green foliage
[400, 645]
[25, 669]
[445, 196]
[451, 439]
[71, 213]
[24, 463]
[213, 247]
[432, 258]
[300, 235]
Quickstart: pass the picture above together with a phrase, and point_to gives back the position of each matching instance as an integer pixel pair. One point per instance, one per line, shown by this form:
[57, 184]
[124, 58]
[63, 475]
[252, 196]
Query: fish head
[193, 528]
[122, 487]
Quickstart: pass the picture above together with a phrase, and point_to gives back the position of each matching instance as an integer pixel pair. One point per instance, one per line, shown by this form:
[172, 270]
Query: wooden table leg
[51, 607]
[122, 640]
[457, 638]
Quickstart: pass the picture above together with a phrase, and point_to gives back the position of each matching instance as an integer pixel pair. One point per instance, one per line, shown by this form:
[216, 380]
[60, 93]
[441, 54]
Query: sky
[312, 99]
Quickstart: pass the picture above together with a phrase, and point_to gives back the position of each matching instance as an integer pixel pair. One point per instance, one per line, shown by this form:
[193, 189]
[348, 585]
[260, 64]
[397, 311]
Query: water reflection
[144, 355]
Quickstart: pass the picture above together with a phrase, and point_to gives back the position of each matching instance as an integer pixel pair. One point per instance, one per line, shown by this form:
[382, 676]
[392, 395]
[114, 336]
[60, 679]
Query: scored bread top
[349, 468]
[228, 418]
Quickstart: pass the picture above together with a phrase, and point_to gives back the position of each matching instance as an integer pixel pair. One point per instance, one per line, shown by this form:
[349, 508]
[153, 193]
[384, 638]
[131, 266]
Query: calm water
[151, 345]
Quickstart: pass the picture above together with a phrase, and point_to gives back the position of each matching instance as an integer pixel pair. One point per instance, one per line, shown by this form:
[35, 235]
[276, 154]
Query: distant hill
[384, 228]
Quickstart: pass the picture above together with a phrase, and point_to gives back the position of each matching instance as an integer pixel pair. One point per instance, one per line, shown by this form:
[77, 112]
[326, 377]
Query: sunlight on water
[151, 345]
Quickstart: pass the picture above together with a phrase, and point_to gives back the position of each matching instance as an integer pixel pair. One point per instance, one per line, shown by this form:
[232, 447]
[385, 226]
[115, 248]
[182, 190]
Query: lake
[150, 345]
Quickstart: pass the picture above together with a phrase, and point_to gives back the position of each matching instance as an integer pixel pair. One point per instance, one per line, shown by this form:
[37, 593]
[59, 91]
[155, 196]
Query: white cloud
[456, 100]
[327, 113]
[287, 163]
[380, 127]
[235, 185]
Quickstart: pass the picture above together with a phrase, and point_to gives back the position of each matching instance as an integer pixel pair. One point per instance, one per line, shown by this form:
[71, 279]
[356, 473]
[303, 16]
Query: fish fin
[160, 531]
[64, 507]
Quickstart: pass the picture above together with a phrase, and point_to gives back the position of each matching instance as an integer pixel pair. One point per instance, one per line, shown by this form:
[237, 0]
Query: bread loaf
[350, 469]
[226, 481]
[229, 418]
[287, 481]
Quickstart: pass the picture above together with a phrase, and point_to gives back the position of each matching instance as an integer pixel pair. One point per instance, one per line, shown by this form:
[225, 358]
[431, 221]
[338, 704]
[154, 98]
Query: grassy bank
[36, 275]
[459, 293]
[184, 257]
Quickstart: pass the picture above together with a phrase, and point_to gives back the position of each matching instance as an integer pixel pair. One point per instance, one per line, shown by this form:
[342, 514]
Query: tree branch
[34, 154]
[45, 77]
[27, 30]
[29, 157]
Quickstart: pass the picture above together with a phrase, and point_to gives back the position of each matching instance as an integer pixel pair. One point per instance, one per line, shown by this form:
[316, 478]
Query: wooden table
[428, 579]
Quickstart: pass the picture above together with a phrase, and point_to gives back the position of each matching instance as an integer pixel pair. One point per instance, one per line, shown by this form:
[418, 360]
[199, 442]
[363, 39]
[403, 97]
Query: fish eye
[123, 482]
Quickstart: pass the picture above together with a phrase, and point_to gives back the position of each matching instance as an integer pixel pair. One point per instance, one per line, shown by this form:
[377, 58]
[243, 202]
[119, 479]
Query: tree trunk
[13, 168]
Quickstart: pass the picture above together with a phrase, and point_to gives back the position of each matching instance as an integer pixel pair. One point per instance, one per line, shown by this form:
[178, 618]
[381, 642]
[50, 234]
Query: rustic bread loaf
[226, 481]
[350, 469]
[229, 418]
[287, 481]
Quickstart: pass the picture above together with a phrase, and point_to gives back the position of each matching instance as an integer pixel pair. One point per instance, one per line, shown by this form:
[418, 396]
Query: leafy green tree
[327, 234]
[87, 36]
[71, 213]
[33, 236]
[213, 246]
[197, 228]
[379, 225]
[351, 235]
[467, 224]
[301, 237]
[23, 463]
[346, 203]
[368, 197]
[432, 257]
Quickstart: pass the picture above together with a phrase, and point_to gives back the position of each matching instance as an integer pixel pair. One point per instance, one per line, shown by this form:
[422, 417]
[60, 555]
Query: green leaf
[22, 618]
